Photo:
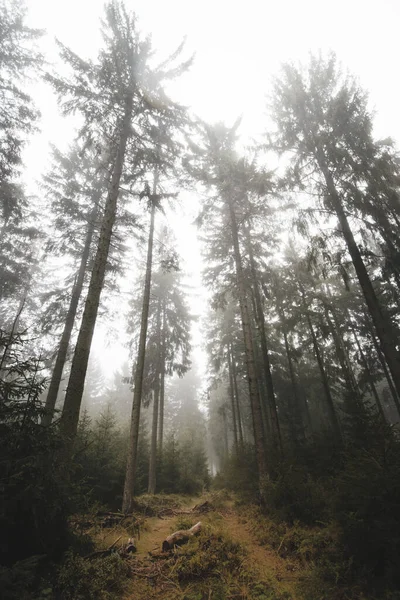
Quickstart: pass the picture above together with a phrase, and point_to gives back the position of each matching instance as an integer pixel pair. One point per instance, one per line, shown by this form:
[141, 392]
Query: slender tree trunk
[73, 398]
[295, 417]
[235, 385]
[153, 446]
[69, 321]
[232, 397]
[260, 321]
[345, 364]
[225, 432]
[156, 400]
[368, 373]
[162, 382]
[381, 322]
[328, 396]
[261, 383]
[251, 370]
[131, 465]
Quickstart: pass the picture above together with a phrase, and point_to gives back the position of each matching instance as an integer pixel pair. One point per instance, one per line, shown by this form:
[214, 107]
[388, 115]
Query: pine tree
[122, 101]
[322, 116]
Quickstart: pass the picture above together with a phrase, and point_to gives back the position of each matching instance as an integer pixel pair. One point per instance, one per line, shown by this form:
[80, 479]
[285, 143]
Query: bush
[97, 579]
[34, 497]
[239, 473]
[295, 496]
[367, 507]
[213, 553]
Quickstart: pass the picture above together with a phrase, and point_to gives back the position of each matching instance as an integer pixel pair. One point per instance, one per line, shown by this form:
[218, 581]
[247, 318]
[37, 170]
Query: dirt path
[263, 561]
[261, 565]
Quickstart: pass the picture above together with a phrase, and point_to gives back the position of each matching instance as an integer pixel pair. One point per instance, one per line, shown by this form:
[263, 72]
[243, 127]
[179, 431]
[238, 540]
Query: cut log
[180, 537]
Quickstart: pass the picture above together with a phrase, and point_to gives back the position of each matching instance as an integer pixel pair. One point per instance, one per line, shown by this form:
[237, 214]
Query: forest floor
[225, 561]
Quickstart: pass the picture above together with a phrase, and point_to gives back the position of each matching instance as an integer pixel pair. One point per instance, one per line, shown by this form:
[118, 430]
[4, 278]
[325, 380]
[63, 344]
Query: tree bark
[69, 321]
[344, 361]
[127, 503]
[367, 371]
[261, 383]
[225, 433]
[329, 400]
[180, 537]
[296, 404]
[251, 371]
[235, 385]
[260, 321]
[233, 407]
[73, 398]
[153, 447]
[162, 382]
[156, 400]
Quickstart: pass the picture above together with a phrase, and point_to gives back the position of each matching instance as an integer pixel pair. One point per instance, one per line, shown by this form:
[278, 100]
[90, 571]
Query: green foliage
[101, 454]
[367, 507]
[34, 498]
[345, 525]
[212, 554]
[295, 495]
[183, 467]
[17, 581]
[97, 579]
[239, 473]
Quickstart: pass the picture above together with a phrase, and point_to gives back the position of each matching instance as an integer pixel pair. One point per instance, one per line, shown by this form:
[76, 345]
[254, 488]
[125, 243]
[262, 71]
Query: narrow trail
[260, 564]
[264, 561]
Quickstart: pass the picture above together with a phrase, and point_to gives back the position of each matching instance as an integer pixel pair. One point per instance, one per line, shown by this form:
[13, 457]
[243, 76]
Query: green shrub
[367, 507]
[239, 474]
[96, 579]
[295, 496]
[213, 553]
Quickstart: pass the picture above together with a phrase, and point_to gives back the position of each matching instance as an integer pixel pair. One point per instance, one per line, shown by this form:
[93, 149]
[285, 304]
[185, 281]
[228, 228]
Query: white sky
[238, 46]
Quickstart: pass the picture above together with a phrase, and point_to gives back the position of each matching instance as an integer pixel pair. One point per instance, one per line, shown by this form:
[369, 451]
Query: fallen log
[202, 508]
[180, 537]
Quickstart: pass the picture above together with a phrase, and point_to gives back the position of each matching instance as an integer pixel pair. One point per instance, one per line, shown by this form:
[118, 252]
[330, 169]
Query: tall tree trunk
[225, 433]
[328, 396]
[236, 388]
[344, 362]
[162, 382]
[153, 446]
[251, 370]
[364, 362]
[382, 323]
[296, 417]
[260, 321]
[156, 400]
[73, 398]
[69, 321]
[131, 465]
[261, 382]
[233, 407]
